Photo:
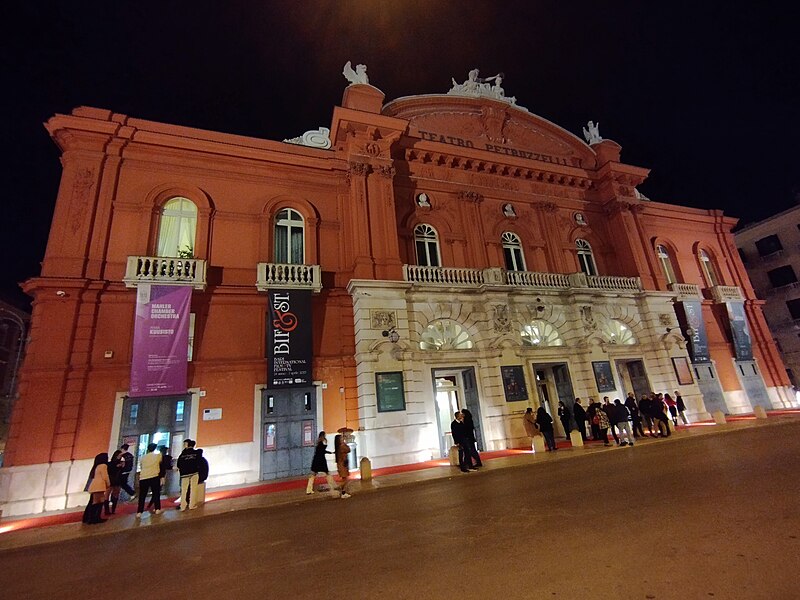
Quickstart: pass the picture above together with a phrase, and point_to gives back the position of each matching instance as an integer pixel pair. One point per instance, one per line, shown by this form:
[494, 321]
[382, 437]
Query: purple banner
[160, 340]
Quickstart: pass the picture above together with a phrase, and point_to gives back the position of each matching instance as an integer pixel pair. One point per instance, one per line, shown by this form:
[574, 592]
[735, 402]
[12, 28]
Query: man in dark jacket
[472, 442]
[611, 413]
[189, 467]
[459, 431]
[580, 417]
[591, 412]
[645, 407]
[127, 457]
[636, 419]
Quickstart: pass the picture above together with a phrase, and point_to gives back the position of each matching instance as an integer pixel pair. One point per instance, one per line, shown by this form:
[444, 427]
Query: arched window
[512, 249]
[445, 334]
[666, 263]
[708, 268]
[426, 242]
[289, 237]
[540, 334]
[177, 227]
[585, 257]
[619, 333]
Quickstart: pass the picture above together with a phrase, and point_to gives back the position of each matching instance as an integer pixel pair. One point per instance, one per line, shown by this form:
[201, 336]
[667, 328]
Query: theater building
[417, 256]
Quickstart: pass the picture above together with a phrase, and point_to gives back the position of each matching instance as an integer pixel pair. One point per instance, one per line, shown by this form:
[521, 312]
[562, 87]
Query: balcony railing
[726, 293]
[284, 276]
[165, 270]
[443, 276]
[534, 279]
[612, 282]
[688, 290]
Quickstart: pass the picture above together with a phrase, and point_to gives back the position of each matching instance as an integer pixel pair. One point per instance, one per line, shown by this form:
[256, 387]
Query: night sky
[706, 95]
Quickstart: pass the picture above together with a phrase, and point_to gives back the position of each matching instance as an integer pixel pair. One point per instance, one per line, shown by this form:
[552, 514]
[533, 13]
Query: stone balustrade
[726, 293]
[165, 270]
[538, 280]
[613, 282]
[442, 275]
[687, 290]
[286, 276]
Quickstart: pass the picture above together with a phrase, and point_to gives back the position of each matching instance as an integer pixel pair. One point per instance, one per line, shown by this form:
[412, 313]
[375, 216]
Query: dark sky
[704, 94]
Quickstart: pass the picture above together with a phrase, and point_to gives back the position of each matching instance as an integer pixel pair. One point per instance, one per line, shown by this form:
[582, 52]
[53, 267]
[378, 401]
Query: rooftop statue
[478, 87]
[357, 76]
[592, 134]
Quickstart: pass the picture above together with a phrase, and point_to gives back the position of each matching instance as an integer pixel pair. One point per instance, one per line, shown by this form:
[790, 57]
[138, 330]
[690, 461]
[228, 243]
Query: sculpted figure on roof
[592, 134]
[357, 76]
[477, 87]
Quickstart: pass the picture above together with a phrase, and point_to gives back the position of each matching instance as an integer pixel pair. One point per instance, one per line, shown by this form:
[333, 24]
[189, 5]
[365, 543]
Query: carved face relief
[501, 319]
[383, 319]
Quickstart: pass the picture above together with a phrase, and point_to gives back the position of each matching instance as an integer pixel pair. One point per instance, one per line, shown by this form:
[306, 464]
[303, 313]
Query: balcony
[726, 293]
[521, 279]
[771, 256]
[165, 271]
[686, 290]
[273, 276]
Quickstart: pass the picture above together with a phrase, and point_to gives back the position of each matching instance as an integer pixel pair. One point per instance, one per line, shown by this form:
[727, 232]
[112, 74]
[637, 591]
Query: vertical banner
[739, 330]
[694, 328]
[289, 338]
[160, 340]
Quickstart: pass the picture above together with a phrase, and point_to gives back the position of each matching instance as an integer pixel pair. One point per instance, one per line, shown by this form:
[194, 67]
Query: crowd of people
[625, 420]
[108, 477]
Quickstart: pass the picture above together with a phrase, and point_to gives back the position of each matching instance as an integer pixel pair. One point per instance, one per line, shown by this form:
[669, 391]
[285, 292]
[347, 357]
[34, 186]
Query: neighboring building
[770, 251]
[456, 250]
[13, 331]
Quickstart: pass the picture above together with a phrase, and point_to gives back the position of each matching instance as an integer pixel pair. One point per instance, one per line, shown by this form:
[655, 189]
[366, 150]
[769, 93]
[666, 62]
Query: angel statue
[592, 134]
[357, 76]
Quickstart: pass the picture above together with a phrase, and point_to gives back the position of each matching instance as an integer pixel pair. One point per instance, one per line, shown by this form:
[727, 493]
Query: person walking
[564, 416]
[150, 479]
[97, 485]
[342, 453]
[580, 417]
[472, 442]
[127, 457]
[623, 426]
[681, 407]
[115, 465]
[319, 464]
[459, 433]
[672, 406]
[545, 424]
[189, 467]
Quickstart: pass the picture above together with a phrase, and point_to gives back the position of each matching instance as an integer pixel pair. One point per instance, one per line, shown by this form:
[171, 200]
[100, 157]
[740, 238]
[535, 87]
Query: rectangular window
[308, 433]
[134, 416]
[270, 404]
[269, 436]
[190, 355]
[768, 245]
[782, 276]
[180, 406]
[794, 308]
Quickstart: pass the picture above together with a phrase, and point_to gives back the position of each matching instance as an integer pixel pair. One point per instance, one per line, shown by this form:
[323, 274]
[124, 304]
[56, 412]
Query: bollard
[576, 439]
[719, 418]
[366, 469]
[453, 454]
[538, 444]
[759, 412]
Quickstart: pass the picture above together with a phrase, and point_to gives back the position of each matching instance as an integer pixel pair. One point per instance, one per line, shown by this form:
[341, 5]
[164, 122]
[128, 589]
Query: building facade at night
[443, 251]
[770, 250]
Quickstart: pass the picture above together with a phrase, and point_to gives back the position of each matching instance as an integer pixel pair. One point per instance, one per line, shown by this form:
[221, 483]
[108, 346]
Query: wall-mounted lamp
[392, 334]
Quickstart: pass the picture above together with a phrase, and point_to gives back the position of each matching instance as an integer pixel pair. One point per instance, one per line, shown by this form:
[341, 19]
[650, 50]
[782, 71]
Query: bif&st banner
[289, 338]
[160, 340]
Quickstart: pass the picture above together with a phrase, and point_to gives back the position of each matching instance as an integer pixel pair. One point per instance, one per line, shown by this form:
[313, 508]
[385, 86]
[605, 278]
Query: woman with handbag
[97, 486]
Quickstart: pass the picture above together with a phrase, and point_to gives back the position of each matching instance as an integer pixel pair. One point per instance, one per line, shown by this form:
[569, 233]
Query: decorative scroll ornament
[387, 171]
[358, 168]
[316, 138]
[357, 76]
[470, 196]
[502, 322]
[384, 319]
[592, 134]
[478, 87]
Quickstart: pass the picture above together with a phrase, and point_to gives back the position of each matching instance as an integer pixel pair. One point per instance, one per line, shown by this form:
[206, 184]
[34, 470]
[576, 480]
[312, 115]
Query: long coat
[319, 464]
[342, 452]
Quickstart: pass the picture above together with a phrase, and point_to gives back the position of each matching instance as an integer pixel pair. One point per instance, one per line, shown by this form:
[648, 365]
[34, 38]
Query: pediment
[492, 126]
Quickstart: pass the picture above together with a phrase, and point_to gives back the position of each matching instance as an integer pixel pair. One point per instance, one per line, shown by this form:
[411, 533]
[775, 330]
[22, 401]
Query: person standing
[319, 464]
[458, 431]
[564, 416]
[646, 409]
[681, 407]
[529, 422]
[472, 442]
[591, 413]
[672, 407]
[580, 417]
[97, 486]
[188, 466]
[608, 408]
[127, 457]
[636, 418]
[545, 424]
[202, 475]
[623, 426]
[114, 469]
[150, 479]
[660, 415]
[164, 467]
[342, 453]
[602, 425]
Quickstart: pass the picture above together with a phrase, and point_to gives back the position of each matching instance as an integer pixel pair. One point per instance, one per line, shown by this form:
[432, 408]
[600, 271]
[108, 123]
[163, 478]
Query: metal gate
[288, 431]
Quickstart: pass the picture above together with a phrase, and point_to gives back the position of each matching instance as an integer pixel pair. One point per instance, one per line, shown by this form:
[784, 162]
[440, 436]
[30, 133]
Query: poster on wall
[514, 383]
[694, 329]
[740, 331]
[389, 391]
[160, 340]
[682, 370]
[603, 376]
[289, 338]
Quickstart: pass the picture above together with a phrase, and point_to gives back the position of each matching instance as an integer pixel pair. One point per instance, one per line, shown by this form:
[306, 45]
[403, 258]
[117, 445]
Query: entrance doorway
[288, 431]
[633, 377]
[161, 420]
[454, 389]
[553, 384]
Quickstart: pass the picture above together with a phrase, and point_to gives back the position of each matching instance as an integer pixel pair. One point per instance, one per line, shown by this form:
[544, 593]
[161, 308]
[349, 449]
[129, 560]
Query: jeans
[123, 483]
[549, 439]
[150, 485]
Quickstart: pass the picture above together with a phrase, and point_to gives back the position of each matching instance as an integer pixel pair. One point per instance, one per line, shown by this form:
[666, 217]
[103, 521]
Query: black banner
[289, 338]
[739, 331]
[694, 329]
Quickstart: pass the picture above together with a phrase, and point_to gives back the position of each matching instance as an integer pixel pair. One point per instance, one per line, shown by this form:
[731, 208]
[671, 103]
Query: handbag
[596, 420]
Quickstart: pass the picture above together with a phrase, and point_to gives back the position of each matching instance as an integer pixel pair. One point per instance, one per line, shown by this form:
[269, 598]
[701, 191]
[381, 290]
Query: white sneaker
[138, 515]
[309, 493]
[345, 495]
[158, 511]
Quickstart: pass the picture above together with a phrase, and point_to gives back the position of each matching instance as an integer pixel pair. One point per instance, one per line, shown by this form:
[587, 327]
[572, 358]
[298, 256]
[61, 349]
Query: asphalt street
[712, 516]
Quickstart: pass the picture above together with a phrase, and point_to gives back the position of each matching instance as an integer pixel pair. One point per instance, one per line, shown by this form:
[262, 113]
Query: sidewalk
[66, 524]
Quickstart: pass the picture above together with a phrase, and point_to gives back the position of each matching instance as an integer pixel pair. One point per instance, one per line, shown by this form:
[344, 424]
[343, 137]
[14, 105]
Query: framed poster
[603, 376]
[514, 383]
[389, 390]
[682, 370]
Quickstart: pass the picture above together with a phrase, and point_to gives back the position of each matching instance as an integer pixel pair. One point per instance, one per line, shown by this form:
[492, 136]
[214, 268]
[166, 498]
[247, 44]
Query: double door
[288, 431]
